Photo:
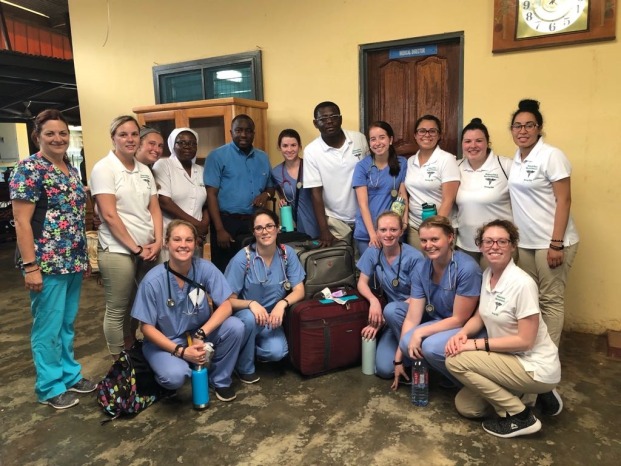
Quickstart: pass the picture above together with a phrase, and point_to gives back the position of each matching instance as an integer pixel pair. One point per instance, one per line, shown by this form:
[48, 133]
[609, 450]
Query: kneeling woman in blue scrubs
[389, 268]
[266, 278]
[444, 293]
[172, 299]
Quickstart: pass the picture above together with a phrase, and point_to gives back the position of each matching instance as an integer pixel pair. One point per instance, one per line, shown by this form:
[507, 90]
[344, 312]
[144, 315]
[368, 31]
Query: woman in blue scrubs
[378, 181]
[287, 176]
[388, 269]
[444, 295]
[266, 278]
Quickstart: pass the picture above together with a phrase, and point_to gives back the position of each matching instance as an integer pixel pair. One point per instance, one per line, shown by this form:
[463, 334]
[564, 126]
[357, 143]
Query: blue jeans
[54, 310]
[269, 344]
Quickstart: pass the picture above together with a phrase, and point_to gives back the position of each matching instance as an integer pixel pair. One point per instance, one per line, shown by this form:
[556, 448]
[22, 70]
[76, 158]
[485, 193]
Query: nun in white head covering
[181, 190]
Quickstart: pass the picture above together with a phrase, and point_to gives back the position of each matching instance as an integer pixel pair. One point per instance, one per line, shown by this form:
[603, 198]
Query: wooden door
[400, 90]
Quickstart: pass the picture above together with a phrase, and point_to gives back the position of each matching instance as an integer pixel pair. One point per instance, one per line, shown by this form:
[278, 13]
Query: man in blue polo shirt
[238, 180]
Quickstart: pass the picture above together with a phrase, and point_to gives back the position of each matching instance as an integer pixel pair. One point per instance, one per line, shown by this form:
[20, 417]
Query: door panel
[401, 90]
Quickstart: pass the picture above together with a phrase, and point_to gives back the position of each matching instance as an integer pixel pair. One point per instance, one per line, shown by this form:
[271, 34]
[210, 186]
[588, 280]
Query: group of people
[156, 212]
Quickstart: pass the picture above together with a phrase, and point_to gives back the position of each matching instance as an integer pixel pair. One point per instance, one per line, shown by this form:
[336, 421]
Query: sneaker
[83, 386]
[249, 378]
[225, 393]
[551, 403]
[62, 401]
[512, 426]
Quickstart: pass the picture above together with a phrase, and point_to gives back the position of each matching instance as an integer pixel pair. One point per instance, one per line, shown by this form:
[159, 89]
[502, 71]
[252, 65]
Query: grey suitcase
[326, 267]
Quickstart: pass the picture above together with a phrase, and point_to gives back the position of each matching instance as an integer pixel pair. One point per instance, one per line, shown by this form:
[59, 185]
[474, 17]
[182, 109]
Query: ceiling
[31, 83]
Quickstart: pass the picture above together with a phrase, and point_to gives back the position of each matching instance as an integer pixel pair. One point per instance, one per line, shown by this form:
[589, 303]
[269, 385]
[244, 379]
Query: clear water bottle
[420, 383]
[398, 206]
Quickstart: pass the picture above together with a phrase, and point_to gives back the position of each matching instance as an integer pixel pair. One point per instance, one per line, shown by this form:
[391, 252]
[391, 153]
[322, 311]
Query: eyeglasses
[516, 127]
[430, 132]
[190, 144]
[326, 118]
[269, 228]
[489, 242]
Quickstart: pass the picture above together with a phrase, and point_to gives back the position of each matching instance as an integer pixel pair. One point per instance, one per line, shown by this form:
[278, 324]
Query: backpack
[327, 267]
[130, 386]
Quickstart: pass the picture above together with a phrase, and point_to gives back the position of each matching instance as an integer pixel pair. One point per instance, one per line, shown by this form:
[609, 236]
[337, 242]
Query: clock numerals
[537, 18]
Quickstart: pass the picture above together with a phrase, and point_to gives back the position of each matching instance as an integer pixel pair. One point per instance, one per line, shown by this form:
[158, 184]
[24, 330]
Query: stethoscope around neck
[170, 302]
[282, 254]
[430, 308]
[375, 184]
[285, 181]
[395, 281]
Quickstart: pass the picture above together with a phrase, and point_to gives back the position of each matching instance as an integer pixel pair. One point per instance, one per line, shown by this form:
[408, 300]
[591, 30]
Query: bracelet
[139, 251]
[486, 344]
[397, 363]
[285, 300]
[182, 352]
[33, 270]
[250, 303]
[174, 352]
[556, 240]
[557, 248]
[28, 264]
[475, 345]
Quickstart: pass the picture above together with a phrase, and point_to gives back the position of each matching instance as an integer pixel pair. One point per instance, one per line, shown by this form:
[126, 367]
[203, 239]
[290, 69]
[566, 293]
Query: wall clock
[527, 24]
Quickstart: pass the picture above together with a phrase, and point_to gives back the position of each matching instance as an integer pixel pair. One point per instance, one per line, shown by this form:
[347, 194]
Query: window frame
[253, 58]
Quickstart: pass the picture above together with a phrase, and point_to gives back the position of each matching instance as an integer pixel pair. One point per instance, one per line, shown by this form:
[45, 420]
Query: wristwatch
[200, 334]
[397, 363]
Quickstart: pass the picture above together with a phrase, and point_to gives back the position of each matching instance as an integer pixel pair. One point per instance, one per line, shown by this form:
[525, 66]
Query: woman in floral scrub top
[49, 204]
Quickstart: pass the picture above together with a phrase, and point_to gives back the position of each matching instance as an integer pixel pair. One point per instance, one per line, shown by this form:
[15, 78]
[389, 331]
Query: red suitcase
[323, 337]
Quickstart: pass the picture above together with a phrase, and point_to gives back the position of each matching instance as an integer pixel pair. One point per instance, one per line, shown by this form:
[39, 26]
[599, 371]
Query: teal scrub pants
[54, 310]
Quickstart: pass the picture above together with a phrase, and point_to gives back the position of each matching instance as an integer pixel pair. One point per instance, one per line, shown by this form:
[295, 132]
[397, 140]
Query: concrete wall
[310, 54]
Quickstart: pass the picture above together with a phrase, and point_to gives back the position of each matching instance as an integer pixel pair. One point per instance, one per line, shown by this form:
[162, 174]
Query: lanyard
[170, 302]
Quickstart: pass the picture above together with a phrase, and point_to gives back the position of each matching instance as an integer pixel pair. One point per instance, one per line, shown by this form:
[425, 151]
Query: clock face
[536, 18]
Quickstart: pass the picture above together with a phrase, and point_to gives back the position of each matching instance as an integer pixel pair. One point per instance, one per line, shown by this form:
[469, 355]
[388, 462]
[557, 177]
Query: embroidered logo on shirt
[146, 179]
[499, 300]
[430, 172]
[490, 178]
[530, 169]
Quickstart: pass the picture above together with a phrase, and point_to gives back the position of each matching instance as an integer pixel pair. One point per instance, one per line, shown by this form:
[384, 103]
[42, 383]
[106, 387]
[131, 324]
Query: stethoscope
[430, 308]
[170, 302]
[285, 181]
[375, 184]
[286, 284]
[395, 281]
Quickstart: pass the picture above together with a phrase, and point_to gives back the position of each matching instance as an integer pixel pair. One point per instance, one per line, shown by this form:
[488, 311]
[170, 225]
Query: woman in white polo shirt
[517, 356]
[540, 189]
[432, 176]
[180, 186]
[483, 193]
[130, 236]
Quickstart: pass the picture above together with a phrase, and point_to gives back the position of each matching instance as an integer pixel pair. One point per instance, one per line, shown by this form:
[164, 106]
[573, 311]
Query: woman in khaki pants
[518, 355]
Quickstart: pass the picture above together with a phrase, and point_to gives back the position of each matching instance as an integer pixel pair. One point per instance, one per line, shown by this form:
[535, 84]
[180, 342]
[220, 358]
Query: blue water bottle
[200, 391]
[429, 210]
[200, 380]
[420, 383]
[286, 218]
